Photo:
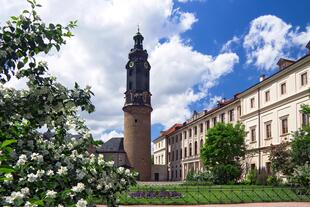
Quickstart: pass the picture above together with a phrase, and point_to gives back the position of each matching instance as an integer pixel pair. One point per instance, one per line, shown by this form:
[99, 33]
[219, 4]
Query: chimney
[308, 47]
[262, 77]
[283, 63]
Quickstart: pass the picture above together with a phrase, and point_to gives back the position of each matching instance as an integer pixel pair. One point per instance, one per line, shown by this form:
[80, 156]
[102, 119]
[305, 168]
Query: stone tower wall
[137, 142]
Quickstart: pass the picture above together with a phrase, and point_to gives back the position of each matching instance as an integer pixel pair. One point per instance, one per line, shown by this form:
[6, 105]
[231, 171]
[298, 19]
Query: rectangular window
[207, 125]
[267, 96]
[304, 119]
[303, 79]
[185, 135]
[180, 153]
[172, 157]
[190, 133]
[284, 127]
[222, 117]
[268, 130]
[201, 128]
[252, 103]
[239, 110]
[268, 168]
[232, 115]
[172, 140]
[176, 138]
[253, 167]
[176, 155]
[214, 121]
[195, 130]
[283, 88]
[185, 152]
[253, 134]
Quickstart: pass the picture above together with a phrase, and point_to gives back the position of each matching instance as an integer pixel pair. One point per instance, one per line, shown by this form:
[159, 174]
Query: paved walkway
[279, 204]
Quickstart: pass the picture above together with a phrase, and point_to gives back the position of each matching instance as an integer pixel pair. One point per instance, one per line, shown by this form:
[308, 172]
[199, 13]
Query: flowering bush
[54, 170]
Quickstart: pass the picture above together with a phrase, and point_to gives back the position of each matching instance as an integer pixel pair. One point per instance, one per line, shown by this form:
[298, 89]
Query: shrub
[204, 177]
[273, 180]
[56, 170]
[250, 178]
[226, 173]
[301, 176]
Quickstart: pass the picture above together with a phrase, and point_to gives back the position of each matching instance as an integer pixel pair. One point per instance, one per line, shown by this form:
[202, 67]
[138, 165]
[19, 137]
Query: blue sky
[219, 21]
[200, 51]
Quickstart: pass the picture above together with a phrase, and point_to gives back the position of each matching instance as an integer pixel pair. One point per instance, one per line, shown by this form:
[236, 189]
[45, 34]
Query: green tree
[58, 170]
[281, 159]
[222, 151]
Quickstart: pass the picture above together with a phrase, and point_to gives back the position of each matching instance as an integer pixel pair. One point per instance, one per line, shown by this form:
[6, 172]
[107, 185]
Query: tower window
[130, 85]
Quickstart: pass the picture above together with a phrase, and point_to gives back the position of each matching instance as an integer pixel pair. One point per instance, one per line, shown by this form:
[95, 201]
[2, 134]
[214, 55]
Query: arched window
[201, 143]
[185, 152]
[190, 149]
[196, 150]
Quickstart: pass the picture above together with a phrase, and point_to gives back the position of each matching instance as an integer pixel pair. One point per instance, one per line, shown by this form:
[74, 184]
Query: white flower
[50, 173]
[40, 173]
[32, 177]
[127, 172]
[99, 186]
[21, 160]
[110, 163]
[120, 170]
[9, 176]
[81, 203]
[70, 146]
[25, 191]
[78, 188]
[37, 157]
[28, 204]
[14, 196]
[123, 181]
[51, 194]
[62, 171]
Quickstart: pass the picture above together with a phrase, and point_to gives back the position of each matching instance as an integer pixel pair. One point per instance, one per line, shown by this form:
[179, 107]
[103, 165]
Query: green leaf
[6, 170]
[7, 142]
[20, 64]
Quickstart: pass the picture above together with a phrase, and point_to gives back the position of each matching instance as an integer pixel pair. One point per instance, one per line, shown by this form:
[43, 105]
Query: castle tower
[137, 110]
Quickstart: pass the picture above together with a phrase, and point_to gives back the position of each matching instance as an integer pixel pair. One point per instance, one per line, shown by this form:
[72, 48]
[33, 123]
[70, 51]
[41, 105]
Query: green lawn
[217, 194]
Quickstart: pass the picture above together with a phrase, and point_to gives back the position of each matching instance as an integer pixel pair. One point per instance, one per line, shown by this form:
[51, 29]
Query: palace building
[270, 111]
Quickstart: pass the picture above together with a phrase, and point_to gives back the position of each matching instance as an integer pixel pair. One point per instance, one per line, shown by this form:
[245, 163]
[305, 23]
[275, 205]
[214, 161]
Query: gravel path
[279, 204]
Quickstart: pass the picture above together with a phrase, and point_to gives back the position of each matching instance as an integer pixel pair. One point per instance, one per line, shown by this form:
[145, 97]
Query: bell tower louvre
[137, 110]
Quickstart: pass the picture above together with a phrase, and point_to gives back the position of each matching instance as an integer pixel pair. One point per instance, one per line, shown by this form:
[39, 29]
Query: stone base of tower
[137, 139]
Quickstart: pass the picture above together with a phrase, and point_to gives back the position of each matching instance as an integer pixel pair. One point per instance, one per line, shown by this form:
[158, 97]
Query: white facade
[276, 112]
[160, 151]
[270, 111]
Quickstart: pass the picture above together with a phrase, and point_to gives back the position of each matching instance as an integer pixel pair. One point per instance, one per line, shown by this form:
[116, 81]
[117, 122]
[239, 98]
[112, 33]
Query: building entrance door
[156, 175]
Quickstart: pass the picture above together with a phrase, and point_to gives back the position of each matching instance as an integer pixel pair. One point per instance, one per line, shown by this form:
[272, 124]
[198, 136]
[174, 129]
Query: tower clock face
[146, 65]
[131, 64]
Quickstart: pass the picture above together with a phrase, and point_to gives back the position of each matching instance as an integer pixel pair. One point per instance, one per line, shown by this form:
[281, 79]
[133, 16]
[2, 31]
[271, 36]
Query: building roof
[114, 145]
[169, 131]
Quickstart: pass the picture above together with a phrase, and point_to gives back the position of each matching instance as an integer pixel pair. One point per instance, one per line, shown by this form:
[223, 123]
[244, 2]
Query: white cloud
[97, 55]
[270, 38]
[213, 102]
[107, 136]
[176, 68]
[227, 47]
[301, 38]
